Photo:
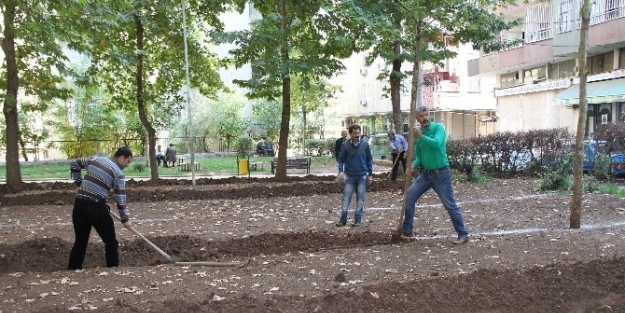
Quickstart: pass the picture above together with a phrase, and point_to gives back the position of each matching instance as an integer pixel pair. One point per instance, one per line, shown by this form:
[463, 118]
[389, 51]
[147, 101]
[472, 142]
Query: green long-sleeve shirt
[430, 149]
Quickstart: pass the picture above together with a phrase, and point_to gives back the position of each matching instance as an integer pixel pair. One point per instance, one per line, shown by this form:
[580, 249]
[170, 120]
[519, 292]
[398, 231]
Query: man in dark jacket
[356, 169]
[339, 143]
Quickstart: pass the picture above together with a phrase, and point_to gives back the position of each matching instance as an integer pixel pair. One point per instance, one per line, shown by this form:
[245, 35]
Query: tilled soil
[521, 258]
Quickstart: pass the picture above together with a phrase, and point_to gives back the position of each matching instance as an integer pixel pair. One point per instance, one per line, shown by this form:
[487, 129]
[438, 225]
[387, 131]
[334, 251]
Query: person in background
[269, 148]
[398, 146]
[90, 208]
[356, 167]
[170, 156]
[431, 155]
[339, 142]
[261, 149]
[160, 158]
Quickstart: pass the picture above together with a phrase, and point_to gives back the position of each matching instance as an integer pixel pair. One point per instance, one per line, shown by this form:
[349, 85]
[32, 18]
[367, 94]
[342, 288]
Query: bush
[244, 147]
[602, 168]
[561, 178]
[314, 146]
[139, 167]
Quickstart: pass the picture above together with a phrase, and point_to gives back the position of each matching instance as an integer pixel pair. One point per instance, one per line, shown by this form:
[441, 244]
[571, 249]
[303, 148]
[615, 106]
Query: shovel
[392, 167]
[170, 259]
[176, 260]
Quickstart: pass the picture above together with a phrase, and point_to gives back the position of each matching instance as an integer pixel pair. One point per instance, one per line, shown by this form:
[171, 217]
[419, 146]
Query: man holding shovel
[90, 209]
[398, 145]
[431, 155]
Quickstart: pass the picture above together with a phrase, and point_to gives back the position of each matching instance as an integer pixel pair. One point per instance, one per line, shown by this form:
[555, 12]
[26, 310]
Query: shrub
[139, 167]
[560, 178]
[244, 147]
[314, 146]
[602, 168]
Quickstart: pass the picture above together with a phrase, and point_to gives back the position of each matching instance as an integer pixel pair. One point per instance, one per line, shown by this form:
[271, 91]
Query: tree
[140, 58]
[35, 67]
[222, 118]
[400, 31]
[576, 201]
[266, 117]
[269, 46]
[311, 94]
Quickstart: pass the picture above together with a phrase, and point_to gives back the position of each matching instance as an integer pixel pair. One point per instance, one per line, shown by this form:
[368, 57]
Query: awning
[607, 91]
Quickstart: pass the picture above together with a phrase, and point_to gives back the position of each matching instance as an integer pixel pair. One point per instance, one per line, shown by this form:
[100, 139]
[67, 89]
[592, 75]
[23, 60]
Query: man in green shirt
[431, 155]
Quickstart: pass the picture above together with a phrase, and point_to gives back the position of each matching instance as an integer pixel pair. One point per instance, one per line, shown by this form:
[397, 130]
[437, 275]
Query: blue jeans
[440, 181]
[358, 183]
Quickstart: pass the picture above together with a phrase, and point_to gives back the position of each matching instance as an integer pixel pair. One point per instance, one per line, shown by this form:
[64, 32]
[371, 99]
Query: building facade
[537, 79]
[465, 106]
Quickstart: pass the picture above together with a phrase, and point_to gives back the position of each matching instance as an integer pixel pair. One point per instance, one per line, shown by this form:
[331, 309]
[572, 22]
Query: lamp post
[186, 62]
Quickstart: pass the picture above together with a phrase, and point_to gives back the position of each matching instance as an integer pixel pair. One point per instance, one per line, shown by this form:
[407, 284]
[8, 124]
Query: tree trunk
[576, 201]
[415, 100]
[23, 148]
[13, 171]
[286, 96]
[395, 80]
[141, 104]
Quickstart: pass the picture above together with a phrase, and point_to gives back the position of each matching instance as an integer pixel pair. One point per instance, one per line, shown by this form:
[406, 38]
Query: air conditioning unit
[363, 71]
[363, 102]
[381, 66]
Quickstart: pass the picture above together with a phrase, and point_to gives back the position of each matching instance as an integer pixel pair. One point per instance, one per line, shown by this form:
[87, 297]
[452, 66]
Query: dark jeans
[160, 159]
[85, 215]
[402, 160]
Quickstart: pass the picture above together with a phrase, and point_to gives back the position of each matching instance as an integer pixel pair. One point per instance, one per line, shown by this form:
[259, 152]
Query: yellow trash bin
[244, 167]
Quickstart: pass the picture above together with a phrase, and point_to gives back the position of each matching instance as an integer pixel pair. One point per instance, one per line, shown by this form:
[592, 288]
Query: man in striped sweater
[90, 209]
[356, 167]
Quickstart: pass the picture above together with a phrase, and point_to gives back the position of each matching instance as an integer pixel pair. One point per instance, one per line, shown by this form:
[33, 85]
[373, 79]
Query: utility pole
[189, 113]
[576, 201]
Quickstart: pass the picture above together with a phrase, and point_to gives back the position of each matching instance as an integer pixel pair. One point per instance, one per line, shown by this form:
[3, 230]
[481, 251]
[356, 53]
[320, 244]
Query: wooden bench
[301, 163]
[186, 167]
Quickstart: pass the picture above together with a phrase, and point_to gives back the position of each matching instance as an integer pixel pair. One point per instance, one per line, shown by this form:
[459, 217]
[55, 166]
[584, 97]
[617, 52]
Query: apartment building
[537, 80]
[465, 106]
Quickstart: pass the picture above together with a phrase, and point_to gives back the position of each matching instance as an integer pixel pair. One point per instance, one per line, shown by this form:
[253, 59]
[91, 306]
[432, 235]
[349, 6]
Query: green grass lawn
[208, 166]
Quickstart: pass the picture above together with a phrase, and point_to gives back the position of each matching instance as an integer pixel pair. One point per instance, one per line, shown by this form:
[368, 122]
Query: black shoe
[357, 224]
[340, 224]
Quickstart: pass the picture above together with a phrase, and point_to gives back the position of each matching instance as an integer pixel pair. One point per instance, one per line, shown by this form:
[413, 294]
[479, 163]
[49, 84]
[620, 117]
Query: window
[564, 69]
[509, 80]
[538, 22]
[565, 16]
[534, 75]
[600, 63]
[621, 59]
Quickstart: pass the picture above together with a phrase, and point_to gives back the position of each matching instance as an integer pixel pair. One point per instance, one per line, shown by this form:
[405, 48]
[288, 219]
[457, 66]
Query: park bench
[301, 163]
[186, 167]
[254, 166]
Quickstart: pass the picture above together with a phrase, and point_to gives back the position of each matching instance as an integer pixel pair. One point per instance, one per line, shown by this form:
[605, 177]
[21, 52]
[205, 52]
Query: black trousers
[402, 160]
[89, 214]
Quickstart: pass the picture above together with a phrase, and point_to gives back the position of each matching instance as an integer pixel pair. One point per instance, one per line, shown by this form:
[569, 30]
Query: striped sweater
[103, 175]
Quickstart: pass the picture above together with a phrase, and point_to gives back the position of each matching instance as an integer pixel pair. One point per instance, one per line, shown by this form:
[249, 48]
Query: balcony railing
[606, 10]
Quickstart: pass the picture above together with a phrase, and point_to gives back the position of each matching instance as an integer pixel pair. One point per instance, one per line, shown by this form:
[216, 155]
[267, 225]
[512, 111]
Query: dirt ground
[521, 258]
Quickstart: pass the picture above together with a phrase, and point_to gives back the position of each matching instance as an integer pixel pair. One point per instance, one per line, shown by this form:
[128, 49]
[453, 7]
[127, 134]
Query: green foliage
[244, 147]
[590, 184]
[266, 116]
[560, 178]
[314, 146]
[476, 175]
[602, 167]
[213, 120]
[139, 167]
